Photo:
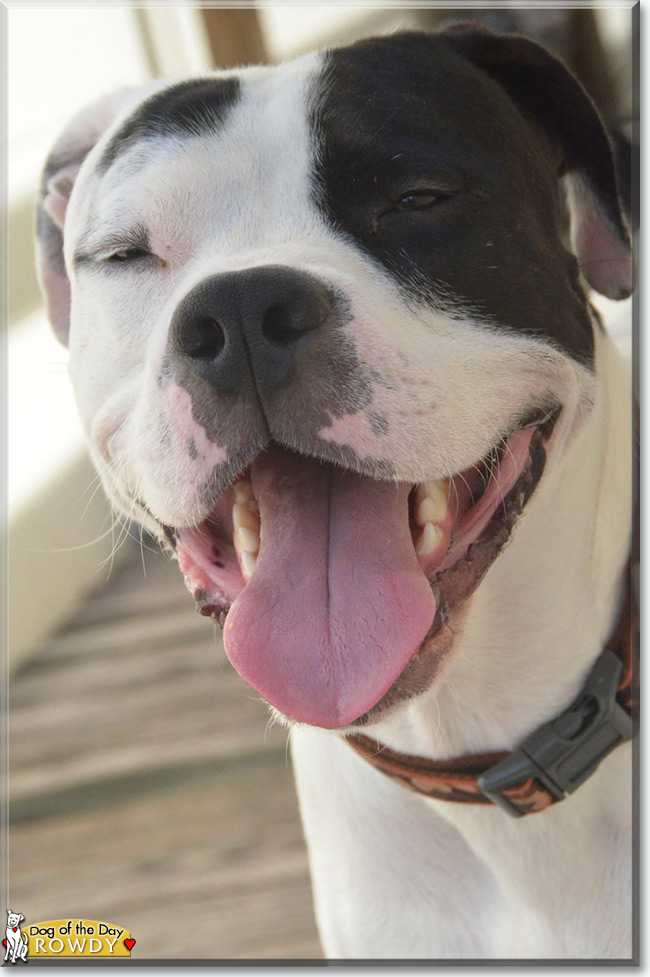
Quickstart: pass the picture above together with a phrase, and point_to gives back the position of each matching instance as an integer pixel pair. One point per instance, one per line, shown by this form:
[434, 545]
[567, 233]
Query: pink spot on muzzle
[183, 422]
[355, 431]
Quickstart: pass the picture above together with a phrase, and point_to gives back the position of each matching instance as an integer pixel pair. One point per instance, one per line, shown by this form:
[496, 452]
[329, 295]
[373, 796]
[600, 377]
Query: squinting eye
[128, 254]
[417, 200]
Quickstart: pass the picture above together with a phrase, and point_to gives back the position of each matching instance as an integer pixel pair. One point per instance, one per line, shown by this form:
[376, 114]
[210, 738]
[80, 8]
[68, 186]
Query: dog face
[14, 919]
[326, 325]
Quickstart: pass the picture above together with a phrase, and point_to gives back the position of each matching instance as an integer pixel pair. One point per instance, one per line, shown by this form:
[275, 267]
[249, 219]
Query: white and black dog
[331, 340]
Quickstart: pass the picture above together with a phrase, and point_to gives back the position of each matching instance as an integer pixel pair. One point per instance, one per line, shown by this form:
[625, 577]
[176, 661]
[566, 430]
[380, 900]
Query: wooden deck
[146, 788]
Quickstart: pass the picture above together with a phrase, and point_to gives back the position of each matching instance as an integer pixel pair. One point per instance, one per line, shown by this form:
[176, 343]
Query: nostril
[278, 327]
[202, 338]
[283, 324]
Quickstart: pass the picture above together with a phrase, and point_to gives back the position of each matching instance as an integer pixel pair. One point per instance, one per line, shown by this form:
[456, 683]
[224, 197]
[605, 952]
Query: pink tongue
[338, 604]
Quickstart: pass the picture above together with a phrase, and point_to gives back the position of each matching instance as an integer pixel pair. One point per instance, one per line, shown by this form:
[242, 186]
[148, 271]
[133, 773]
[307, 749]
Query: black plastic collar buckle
[562, 753]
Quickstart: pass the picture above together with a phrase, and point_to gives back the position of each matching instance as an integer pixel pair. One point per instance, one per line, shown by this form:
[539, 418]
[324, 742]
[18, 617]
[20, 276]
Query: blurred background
[144, 780]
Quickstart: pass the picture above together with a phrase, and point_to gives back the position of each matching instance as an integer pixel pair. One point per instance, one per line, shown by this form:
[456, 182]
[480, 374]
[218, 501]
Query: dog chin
[340, 595]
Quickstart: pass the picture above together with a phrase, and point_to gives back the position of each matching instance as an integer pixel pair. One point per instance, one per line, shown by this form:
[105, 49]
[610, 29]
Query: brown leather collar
[553, 760]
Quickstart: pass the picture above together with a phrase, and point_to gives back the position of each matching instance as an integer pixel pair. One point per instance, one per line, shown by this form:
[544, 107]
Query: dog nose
[243, 330]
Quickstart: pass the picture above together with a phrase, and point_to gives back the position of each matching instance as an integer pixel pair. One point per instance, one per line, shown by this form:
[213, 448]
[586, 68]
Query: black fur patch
[399, 115]
[190, 108]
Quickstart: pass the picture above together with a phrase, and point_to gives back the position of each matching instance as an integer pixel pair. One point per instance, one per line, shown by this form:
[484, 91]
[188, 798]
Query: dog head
[14, 919]
[326, 320]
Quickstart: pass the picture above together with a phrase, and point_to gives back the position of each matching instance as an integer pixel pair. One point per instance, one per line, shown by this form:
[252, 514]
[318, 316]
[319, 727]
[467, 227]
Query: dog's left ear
[21, 918]
[540, 85]
[61, 169]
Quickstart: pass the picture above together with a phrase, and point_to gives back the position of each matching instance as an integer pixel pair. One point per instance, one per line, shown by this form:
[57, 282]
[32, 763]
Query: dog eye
[127, 254]
[417, 200]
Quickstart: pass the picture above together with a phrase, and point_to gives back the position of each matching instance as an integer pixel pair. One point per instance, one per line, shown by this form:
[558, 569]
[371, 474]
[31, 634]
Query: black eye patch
[495, 242]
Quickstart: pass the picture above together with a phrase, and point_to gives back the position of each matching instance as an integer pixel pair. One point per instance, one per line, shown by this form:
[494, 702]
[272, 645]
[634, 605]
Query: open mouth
[337, 592]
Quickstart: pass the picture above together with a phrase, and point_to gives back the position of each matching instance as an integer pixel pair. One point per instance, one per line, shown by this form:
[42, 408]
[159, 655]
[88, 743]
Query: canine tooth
[431, 501]
[243, 515]
[420, 492]
[439, 492]
[429, 540]
[426, 511]
[248, 562]
[248, 539]
[243, 491]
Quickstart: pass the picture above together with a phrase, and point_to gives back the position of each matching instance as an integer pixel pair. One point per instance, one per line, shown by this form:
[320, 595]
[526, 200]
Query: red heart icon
[4, 942]
[15, 928]
[129, 944]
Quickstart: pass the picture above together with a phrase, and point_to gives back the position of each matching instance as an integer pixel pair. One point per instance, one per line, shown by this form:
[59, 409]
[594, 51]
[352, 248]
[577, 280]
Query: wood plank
[145, 784]
[241, 879]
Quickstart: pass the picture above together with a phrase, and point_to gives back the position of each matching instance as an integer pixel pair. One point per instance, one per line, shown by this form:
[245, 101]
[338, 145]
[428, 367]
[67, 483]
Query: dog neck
[546, 608]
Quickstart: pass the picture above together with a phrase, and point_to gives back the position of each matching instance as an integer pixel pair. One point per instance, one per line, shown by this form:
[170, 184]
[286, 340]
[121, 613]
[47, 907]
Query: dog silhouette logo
[16, 942]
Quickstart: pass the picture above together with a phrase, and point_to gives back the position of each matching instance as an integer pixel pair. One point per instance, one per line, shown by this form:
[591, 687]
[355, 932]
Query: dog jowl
[328, 324]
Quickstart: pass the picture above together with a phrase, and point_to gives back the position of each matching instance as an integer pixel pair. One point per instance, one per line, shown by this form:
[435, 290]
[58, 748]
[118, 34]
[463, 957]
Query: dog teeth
[244, 491]
[431, 502]
[427, 512]
[248, 561]
[246, 524]
[430, 512]
[245, 517]
[248, 539]
[429, 540]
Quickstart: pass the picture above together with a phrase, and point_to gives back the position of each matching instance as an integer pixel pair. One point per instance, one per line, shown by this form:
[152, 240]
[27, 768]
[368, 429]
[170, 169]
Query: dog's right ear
[59, 175]
[549, 94]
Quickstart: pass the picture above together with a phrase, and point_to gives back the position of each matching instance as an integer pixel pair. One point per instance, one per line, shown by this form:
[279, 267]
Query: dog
[332, 343]
[16, 941]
